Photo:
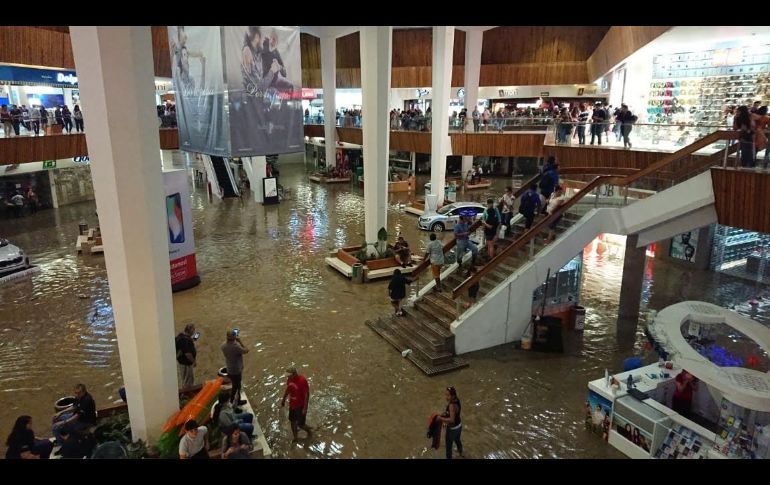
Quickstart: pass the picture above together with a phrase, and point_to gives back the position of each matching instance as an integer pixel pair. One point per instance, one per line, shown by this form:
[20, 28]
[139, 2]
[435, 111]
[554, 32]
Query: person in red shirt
[298, 392]
[682, 399]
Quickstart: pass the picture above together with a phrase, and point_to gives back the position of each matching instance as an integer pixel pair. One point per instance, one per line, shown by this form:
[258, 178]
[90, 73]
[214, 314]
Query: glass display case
[563, 287]
[635, 421]
[675, 441]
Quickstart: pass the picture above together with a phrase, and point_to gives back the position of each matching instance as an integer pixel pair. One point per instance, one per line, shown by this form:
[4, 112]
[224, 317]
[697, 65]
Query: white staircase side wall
[212, 176]
[503, 315]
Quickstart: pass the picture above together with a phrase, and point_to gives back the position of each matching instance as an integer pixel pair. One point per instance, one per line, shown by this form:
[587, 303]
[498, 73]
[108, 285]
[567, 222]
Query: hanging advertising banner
[197, 71]
[181, 244]
[264, 77]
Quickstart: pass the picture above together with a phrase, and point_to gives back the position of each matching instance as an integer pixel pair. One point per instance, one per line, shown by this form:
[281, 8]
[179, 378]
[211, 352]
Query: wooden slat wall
[498, 145]
[23, 149]
[742, 198]
[410, 141]
[351, 135]
[608, 158]
[36, 47]
[540, 44]
[161, 56]
[169, 138]
[619, 43]
[568, 72]
[314, 130]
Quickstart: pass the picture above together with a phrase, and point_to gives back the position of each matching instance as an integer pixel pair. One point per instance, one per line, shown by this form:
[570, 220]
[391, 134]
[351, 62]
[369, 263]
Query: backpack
[497, 214]
[180, 357]
[527, 205]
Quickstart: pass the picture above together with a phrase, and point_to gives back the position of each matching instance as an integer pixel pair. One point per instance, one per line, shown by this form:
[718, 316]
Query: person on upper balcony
[744, 124]
[626, 120]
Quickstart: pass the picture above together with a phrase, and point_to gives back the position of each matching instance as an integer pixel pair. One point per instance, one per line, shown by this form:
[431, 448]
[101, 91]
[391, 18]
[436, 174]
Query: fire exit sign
[49, 164]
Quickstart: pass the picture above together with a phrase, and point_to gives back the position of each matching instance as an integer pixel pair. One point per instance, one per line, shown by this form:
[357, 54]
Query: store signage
[49, 164]
[31, 76]
[422, 92]
[507, 93]
[308, 93]
[181, 244]
[66, 78]
[545, 94]
[461, 93]
[84, 160]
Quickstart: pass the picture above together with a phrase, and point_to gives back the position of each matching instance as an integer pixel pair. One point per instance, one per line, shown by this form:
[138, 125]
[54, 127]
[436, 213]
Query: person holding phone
[233, 350]
[186, 354]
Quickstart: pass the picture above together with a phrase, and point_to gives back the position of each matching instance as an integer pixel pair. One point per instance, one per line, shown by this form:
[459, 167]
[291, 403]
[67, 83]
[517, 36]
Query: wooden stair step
[429, 312]
[416, 332]
[432, 370]
[440, 305]
[433, 326]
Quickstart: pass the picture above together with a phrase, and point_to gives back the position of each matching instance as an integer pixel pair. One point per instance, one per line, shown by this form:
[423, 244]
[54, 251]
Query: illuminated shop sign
[66, 78]
[84, 160]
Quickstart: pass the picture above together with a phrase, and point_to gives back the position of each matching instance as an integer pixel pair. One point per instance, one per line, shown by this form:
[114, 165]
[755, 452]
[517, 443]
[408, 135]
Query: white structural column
[256, 170]
[443, 43]
[329, 86]
[473, 42]
[115, 73]
[375, 86]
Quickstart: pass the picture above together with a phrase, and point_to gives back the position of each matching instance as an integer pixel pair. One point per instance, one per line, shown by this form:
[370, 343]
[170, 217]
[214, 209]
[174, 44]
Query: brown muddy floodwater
[262, 270]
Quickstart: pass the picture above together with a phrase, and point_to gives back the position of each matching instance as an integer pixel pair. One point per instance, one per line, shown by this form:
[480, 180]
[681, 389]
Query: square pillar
[375, 86]
[329, 86]
[116, 77]
[443, 44]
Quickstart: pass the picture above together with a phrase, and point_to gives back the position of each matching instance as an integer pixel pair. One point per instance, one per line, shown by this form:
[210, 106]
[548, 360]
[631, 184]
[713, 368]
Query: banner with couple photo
[240, 89]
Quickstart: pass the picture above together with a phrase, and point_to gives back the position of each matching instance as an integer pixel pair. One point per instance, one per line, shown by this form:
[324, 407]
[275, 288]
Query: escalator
[224, 177]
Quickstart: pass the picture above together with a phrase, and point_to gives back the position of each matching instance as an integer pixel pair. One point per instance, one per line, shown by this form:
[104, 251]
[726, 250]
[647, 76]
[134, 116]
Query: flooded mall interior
[228, 242]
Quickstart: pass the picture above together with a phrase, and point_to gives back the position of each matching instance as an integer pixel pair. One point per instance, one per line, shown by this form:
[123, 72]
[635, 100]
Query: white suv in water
[12, 258]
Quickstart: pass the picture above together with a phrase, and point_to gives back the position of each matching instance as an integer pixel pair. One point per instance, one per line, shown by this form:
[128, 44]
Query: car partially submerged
[12, 258]
[449, 215]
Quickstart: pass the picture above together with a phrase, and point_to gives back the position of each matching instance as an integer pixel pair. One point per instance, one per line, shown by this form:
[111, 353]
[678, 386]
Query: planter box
[373, 264]
[346, 257]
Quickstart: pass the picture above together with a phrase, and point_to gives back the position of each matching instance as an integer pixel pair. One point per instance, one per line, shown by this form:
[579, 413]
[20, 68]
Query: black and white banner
[256, 71]
[196, 65]
[264, 77]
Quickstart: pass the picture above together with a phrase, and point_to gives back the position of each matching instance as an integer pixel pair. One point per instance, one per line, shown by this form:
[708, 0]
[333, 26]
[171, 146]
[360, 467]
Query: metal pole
[532, 247]
[625, 197]
[596, 197]
[727, 150]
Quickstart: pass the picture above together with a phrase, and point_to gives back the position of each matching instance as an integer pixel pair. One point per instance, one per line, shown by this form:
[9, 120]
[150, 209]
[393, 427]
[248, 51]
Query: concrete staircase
[426, 327]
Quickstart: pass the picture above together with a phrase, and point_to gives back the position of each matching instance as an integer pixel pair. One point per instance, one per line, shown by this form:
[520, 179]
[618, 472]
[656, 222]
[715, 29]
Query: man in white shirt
[194, 444]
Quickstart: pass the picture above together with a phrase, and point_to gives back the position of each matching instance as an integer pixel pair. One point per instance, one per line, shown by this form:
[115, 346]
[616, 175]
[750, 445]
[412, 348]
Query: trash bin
[578, 318]
[83, 228]
[358, 273]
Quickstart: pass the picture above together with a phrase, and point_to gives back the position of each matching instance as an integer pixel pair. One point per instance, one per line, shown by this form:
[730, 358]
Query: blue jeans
[581, 133]
[453, 436]
[245, 421]
[466, 245]
[74, 427]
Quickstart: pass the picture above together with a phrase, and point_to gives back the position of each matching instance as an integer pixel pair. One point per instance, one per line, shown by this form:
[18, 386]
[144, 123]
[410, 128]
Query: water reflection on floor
[262, 270]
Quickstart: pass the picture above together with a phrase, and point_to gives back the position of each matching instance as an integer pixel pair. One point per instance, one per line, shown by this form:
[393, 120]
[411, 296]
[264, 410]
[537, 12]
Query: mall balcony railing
[495, 125]
[666, 138]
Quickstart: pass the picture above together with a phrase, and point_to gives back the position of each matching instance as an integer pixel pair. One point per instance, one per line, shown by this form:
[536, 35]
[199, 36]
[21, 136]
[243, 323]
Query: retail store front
[707, 397]
[741, 253]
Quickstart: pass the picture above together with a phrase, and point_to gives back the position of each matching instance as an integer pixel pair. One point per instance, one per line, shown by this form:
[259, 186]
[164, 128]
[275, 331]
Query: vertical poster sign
[197, 70]
[181, 245]
[683, 246]
[264, 78]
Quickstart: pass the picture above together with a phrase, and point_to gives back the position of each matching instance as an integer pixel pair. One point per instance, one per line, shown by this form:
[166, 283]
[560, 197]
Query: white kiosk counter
[727, 353]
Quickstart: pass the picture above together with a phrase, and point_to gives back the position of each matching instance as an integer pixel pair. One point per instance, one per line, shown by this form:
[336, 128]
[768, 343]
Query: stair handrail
[453, 242]
[528, 235]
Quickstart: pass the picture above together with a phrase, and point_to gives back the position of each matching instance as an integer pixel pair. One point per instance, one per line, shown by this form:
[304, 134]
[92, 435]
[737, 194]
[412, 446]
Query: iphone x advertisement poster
[181, 245]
